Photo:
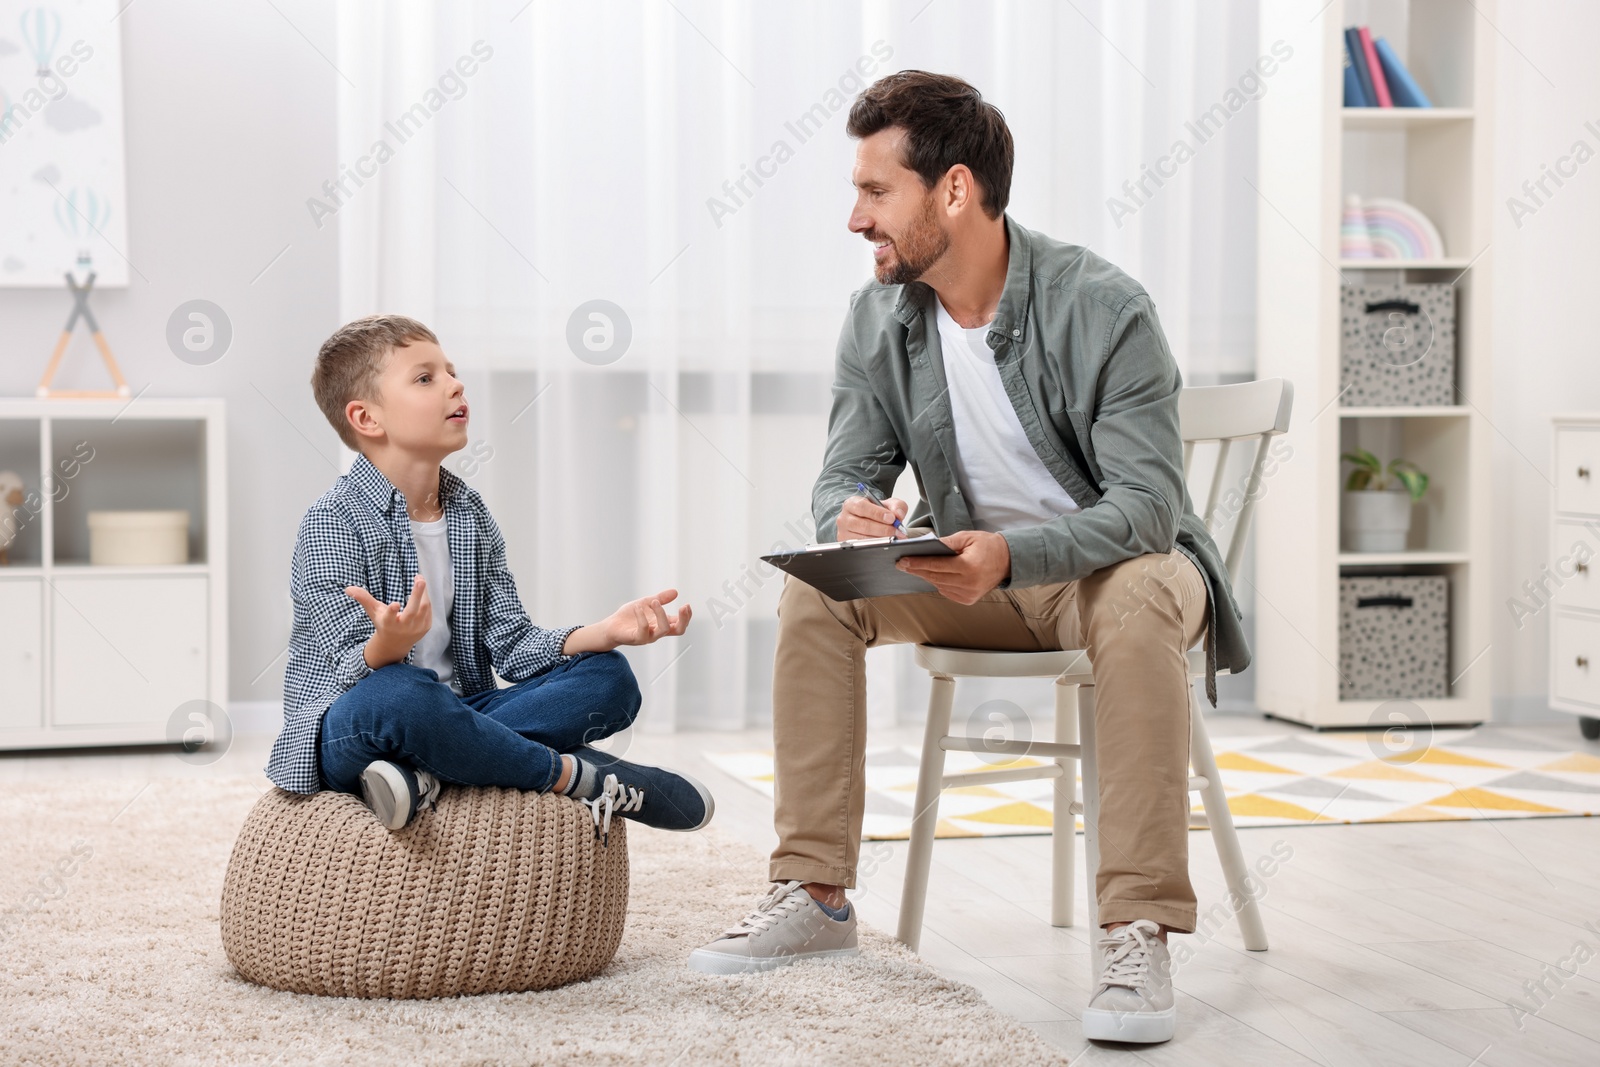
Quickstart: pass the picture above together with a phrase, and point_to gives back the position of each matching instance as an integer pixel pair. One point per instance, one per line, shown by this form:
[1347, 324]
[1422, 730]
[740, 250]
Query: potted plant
[1376, 515]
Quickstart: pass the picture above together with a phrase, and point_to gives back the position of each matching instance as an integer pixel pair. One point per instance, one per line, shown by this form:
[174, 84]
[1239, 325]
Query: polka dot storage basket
[1397, 345]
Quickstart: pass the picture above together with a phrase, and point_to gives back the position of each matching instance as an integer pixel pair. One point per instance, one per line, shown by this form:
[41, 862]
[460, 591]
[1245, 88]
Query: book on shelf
[1358, 60]
[1353, 96]
[1374, 75]
[1370, 55]
[1402, 86]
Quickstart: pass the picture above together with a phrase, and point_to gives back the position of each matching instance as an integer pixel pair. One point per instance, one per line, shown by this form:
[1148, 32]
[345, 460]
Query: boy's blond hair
[349, 362]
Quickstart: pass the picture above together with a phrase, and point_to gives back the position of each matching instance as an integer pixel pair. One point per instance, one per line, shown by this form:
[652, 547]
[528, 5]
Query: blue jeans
[510, 737]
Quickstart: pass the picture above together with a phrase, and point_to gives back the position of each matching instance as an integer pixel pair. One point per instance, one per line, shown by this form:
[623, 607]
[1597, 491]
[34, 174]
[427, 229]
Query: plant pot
[1375, 520]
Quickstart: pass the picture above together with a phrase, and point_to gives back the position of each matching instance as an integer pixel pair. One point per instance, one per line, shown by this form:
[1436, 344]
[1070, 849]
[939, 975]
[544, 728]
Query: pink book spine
[1379, 86]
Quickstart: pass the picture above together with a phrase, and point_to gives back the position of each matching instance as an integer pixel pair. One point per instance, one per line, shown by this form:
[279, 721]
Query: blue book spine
[1358, 60]
[1352, 86]
[1402, 86]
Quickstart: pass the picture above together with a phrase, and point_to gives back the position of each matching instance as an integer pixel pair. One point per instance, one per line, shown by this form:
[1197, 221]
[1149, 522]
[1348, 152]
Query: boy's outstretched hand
[638, 622]
[398, 626]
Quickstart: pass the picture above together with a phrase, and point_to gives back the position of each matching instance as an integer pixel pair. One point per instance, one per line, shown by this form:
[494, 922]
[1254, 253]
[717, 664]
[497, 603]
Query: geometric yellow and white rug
[1270, 780]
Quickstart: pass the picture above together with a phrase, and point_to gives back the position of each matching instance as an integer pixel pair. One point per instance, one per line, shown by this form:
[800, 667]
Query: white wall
[230, 119]
[1547, 273]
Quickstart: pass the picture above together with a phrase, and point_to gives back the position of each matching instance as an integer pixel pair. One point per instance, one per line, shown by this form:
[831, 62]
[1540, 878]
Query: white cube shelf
[101, 655]
[1314, 151]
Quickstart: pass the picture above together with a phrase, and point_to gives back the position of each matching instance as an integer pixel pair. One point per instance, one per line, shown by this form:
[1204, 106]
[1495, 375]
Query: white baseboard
[1527, 709]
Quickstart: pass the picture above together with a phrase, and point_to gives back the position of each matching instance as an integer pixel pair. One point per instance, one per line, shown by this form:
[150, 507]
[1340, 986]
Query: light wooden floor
[1391, 944]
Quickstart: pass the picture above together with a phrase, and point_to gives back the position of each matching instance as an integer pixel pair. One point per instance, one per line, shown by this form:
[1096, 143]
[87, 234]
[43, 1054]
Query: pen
[878, 500]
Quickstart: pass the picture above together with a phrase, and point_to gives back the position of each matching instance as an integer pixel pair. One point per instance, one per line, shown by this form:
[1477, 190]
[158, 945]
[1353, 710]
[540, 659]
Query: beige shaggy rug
[111, 955]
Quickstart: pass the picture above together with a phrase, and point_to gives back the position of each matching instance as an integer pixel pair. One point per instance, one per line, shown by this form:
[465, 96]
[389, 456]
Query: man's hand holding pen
[862, 517]
[982, 560]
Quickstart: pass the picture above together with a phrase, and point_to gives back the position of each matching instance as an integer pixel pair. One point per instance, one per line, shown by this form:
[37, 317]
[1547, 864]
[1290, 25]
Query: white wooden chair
[1223, 414]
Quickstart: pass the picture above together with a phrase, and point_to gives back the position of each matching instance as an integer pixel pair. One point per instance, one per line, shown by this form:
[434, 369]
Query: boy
[392, 699]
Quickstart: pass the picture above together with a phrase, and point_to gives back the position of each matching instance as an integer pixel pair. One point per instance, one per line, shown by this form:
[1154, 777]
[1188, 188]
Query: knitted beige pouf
[490, 891]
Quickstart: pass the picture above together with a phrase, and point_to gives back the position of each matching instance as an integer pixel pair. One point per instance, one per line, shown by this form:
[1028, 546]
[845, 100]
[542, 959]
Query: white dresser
[1570, 580]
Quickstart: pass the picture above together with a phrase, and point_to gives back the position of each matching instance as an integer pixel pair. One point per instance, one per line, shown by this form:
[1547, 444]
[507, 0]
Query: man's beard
[915, 250]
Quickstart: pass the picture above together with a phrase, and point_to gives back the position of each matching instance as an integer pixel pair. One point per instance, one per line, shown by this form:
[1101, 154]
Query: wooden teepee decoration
[80, 309]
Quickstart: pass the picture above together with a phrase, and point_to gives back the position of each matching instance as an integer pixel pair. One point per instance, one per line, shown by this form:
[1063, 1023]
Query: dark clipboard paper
[853, 570]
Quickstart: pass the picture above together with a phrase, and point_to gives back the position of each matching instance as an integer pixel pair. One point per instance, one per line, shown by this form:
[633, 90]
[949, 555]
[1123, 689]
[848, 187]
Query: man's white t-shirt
[433, 559]
[1005, 483]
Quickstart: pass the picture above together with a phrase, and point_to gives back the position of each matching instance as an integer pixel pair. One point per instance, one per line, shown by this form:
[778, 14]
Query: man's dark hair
[947, 122]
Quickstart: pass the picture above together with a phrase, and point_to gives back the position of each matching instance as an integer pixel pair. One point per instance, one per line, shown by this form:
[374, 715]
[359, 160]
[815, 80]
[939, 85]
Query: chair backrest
[1225, 414]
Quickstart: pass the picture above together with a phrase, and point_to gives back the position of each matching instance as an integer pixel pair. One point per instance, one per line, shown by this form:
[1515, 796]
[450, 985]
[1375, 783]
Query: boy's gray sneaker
[1133, 1001]
[396, 792]
[786, 925]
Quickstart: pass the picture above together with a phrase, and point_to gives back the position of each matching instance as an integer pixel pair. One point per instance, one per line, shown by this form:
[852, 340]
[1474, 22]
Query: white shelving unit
[101, 655]
[1313, 152]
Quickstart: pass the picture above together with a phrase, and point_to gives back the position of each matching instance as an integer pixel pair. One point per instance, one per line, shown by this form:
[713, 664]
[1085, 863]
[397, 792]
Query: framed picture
[62, 188]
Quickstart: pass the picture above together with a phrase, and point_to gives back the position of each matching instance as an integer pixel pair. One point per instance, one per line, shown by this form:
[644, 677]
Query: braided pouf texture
[488, 891]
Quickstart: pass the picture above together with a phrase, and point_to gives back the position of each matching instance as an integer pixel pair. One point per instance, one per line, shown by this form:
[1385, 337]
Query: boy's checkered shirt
[358, 533]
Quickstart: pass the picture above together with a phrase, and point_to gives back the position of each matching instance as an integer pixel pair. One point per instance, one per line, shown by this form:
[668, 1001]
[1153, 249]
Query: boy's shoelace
[613, 797]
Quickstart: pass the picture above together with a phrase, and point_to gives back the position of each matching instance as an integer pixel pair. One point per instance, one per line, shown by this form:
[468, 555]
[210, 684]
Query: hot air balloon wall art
[79, 212]
[41, 32]
[61, 136]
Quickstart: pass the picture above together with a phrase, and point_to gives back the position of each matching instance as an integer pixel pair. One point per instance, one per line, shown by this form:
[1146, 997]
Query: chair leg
[925, 818]
[1223, 834]
[1091, 824]
[1063, 823]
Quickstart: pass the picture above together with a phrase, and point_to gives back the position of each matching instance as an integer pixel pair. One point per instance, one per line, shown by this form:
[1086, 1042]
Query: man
[1029, 386]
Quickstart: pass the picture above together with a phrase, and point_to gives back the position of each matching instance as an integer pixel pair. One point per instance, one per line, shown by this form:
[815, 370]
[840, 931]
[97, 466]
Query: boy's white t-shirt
[1005, 483]
[433, 559]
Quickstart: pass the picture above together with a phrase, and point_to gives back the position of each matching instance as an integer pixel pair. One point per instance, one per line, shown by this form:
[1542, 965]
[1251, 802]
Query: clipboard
[854, 570]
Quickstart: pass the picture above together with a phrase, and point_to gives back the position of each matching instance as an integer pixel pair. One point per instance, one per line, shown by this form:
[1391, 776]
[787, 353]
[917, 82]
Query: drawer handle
[1583, 661]
[1583, 472]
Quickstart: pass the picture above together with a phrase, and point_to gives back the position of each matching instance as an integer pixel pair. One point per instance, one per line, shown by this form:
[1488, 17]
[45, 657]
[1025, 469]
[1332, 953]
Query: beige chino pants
[1135, 619]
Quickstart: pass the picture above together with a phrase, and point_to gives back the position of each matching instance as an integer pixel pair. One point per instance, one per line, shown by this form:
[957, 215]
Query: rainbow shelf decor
[1355, 240]
[1399, 231]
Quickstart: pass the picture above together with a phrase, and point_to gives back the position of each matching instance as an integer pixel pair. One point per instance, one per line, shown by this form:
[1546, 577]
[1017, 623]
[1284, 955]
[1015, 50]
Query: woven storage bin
[490, 891]
[1394, 637]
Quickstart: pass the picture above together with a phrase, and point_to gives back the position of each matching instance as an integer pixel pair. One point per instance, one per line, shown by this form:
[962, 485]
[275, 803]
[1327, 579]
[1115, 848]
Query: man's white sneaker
[396, 792]
[1133, 1001]
[786, 925]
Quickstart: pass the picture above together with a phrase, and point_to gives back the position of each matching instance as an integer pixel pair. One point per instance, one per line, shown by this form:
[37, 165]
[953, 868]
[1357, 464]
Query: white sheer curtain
[687, 161]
